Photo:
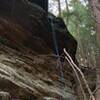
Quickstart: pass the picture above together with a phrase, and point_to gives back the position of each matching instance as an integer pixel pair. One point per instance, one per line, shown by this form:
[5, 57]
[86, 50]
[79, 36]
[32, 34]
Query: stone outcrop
[32, 21]
[33, 77]
[29, 68]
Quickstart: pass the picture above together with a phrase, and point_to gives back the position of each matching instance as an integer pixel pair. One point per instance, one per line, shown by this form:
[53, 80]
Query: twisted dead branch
[76, 73]
[73, 65]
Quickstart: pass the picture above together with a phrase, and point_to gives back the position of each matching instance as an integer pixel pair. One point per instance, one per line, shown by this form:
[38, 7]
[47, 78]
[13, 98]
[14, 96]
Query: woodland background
[82, 18]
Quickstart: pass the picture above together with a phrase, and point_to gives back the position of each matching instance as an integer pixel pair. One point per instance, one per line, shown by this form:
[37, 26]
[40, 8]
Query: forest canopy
[79, 20]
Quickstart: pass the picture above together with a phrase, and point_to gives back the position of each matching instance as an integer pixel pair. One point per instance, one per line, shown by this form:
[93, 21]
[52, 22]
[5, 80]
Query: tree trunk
[59, 8]
[95, 8]
[67, 9]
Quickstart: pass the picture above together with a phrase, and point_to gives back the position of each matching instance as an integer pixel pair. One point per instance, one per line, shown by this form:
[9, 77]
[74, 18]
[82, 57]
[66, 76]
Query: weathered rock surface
[29, 77]
[28, 68]
[31, 20]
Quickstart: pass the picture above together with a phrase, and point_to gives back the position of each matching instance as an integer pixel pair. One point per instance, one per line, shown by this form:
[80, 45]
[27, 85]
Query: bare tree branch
[81, 73]
[81, 87]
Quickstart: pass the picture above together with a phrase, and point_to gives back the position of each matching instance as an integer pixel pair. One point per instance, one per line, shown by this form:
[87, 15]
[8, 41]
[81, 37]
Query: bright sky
[53, 6]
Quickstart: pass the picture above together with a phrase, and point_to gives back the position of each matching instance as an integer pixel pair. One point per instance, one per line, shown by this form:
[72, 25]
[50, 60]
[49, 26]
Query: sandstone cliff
[29, 68]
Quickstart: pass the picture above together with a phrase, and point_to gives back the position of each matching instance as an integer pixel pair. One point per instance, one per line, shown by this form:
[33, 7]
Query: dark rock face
[41, 3]
[27, 66]
[63, 37]
[22, 12]
[23, 26]
[15, 36]
[32, 18]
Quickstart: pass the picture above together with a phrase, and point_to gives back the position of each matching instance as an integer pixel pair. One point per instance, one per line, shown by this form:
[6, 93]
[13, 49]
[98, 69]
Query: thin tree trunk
[67, 9]
[59, 8]
[95, 8]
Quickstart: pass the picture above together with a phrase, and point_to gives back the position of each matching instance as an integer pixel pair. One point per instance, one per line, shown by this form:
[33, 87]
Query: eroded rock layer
[33, 77]
[29, 68]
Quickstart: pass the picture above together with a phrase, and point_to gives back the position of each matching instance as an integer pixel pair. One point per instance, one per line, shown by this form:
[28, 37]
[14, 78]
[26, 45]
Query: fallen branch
[69, 59]
[81, 87]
